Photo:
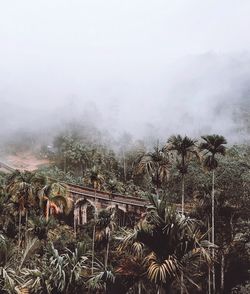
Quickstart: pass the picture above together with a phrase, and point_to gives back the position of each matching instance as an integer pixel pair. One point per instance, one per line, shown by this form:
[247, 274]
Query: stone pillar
[84, 214]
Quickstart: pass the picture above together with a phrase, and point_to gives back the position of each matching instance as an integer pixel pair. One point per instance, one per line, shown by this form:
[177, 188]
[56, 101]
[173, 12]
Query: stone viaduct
[87, 202]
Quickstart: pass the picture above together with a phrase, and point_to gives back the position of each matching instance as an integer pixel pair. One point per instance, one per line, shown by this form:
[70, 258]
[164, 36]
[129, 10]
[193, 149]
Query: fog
[149, 68]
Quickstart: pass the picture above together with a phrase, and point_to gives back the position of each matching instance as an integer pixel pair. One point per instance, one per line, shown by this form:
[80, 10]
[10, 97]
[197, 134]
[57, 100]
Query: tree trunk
[75, 213]
[222, 273]
[64, 164]
[26, 226]
[209, 272]
[93, 251]
[47, 210]
[182, 194]
[124, 166]
[182, 281]
[107, 255]
[182, 212]
[157, 182]
[213, 236]
[93, 240]
[19, 229]
[139, 287]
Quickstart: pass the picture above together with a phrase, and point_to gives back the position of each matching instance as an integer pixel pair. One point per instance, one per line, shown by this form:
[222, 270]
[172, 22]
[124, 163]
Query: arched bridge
[88, 201]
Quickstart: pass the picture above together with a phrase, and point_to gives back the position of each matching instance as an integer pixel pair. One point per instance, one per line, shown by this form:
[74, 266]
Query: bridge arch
[84, 210]
[120, 214]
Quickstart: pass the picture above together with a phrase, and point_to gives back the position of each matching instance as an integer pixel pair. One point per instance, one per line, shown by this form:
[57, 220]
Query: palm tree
[203, 203]
[40, 226]
[105, 226]
[170, 243]
[185, 148]
[212, 146]
[22, 188]
[93, 240]
[156, 164]
[56, 199]
[96, 178]
[114, 186]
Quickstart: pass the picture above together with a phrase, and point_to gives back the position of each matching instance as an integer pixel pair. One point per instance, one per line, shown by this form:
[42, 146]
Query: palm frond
[98, 281]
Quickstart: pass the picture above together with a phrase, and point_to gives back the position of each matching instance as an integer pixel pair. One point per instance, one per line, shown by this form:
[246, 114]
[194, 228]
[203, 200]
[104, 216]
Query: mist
[147, 68]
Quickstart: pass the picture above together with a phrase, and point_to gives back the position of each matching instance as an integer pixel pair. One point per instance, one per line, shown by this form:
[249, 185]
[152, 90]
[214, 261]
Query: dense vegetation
[167, 251]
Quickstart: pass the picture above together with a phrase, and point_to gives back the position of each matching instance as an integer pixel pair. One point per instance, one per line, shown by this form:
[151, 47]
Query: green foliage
[185, 148]
[155, 164]
[160, 246]
[213, 145]
[100, 279]
[40, 226]
[173, 244]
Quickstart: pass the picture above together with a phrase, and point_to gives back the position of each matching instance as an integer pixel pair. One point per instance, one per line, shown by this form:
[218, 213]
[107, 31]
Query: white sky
[137, 61]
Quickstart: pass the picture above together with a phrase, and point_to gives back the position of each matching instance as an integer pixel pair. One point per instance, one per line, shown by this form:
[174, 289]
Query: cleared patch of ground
[25, 161]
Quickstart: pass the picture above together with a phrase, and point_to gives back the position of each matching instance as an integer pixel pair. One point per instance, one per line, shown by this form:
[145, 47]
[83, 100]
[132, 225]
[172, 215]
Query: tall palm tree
[170, 243]
[105, 226]
[156, 164]
[22, 188]
[56, 199]
[203, 204]
[185, 148]
[93, 238]
[212, 146]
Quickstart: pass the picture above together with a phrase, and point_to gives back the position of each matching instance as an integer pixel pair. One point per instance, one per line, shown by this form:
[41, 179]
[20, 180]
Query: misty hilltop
[201, 94]
[137, 67]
